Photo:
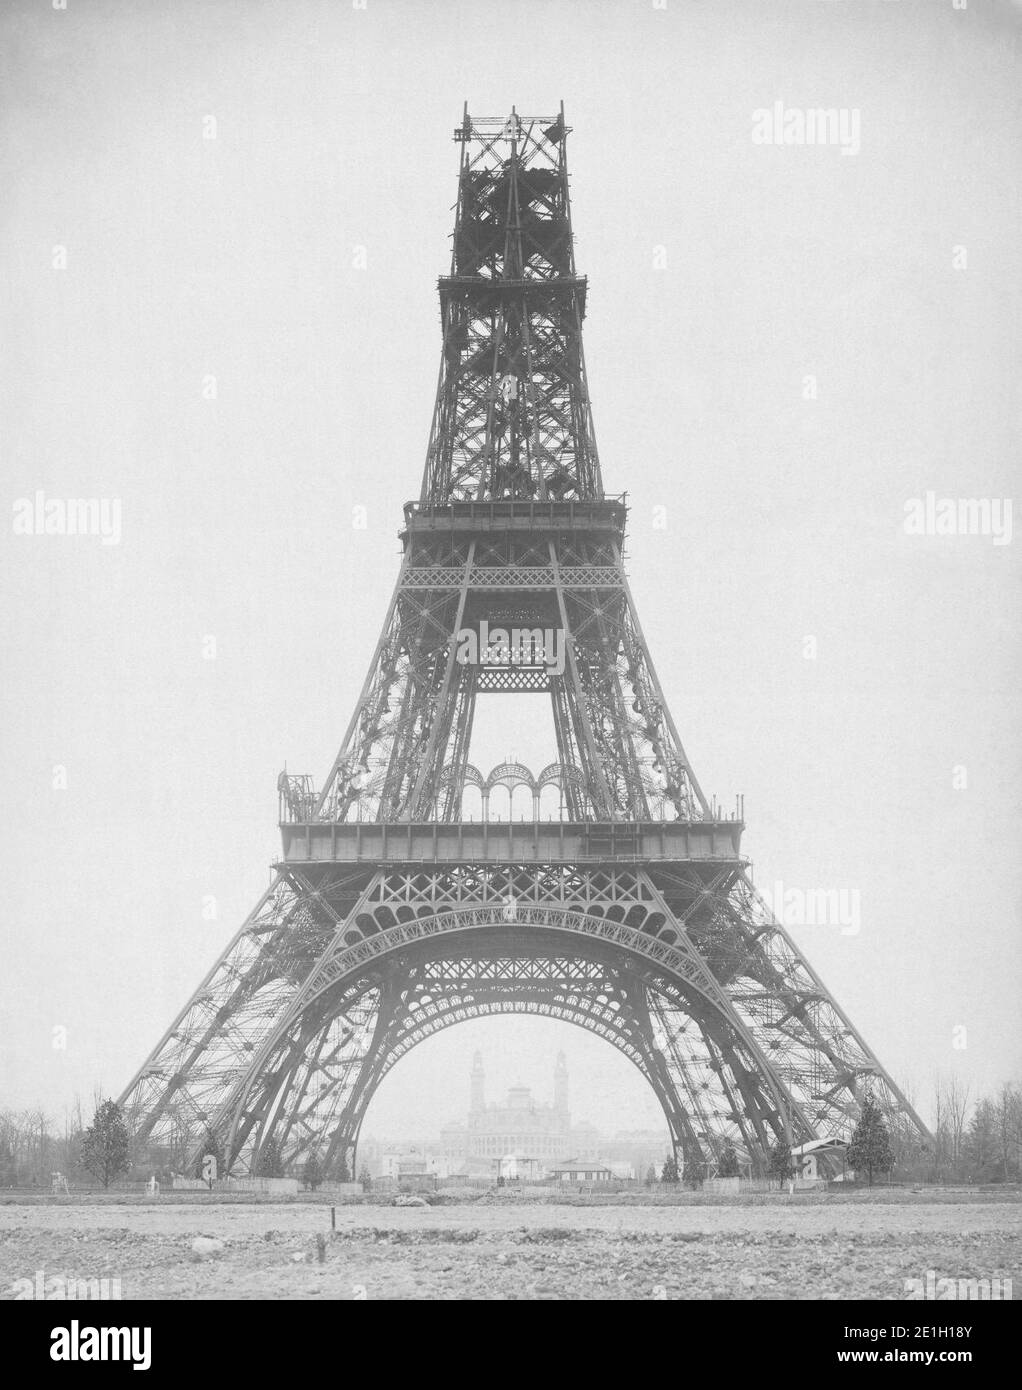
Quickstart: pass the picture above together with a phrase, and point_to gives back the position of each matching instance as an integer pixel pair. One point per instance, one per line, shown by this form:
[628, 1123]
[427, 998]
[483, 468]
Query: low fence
[732, 1186]
[267, 1187]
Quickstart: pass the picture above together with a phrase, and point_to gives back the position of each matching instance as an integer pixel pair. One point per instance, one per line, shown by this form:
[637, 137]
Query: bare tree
[957, 1111]
[1009, 1130]
[951, 1112]
[941, 1129]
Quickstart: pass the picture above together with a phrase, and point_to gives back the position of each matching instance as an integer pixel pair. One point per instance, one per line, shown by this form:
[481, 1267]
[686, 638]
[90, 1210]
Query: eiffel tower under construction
[623, 903]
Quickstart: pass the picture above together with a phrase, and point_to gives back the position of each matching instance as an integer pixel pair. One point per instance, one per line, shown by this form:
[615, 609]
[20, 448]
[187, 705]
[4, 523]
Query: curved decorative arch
[641, 936]
[511, 775]
[559, 775]
[590, 1020]
[597, 998]
[470, 775]
[546, 927]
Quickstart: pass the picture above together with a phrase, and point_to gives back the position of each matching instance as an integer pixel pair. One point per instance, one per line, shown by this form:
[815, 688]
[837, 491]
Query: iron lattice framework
[512, 415]
[630, 911]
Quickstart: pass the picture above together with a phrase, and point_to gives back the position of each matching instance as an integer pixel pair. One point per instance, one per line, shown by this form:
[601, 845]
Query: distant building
[623, 1170]
[520, 1128]
[394, 1164]
[581, 1170]
[640, 1149]
[410, 1163]
[411, 1172]
[370, 1155]
[526, 1137]
[807, 1158]
[518, 1168]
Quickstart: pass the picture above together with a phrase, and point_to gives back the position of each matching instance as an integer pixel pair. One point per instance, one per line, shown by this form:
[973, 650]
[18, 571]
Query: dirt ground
[827, 1246]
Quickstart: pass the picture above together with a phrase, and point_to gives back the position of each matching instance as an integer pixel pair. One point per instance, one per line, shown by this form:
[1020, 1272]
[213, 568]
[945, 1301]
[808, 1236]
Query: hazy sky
[723, 273]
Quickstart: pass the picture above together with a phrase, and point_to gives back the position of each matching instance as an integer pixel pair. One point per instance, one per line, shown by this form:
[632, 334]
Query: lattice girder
[610, 717]
[512, 415]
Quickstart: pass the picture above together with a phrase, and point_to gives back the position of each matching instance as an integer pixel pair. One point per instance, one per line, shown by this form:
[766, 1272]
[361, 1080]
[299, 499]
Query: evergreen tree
[365, 1178]
[342, 1170]
[669, 1172]
[269, 1163]
[870, 1149]
[105, 1147]
[982, 1144]
[728, 1165]
[651, 1175]
[780, 1161]
[313, 1172]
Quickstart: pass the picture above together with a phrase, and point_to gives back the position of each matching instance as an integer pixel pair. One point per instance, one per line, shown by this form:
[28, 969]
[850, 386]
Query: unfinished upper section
[512, 416]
